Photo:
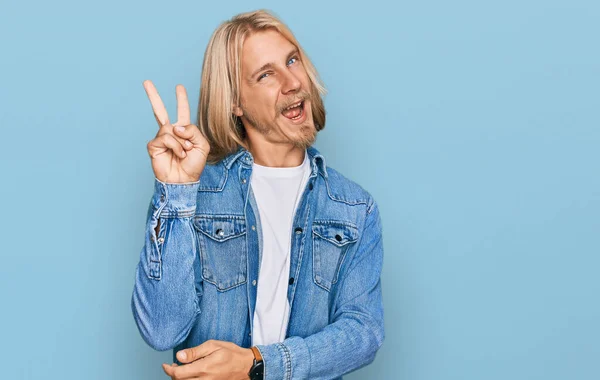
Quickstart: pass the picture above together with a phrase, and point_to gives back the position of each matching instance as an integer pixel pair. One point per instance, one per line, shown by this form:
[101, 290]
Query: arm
[164, 300]
[357, 331]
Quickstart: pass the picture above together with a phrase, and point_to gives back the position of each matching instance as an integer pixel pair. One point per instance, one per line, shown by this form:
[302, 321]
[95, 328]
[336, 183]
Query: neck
[276, 155]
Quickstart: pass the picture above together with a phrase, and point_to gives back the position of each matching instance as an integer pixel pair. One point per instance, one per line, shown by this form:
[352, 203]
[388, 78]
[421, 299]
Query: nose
[291, 83]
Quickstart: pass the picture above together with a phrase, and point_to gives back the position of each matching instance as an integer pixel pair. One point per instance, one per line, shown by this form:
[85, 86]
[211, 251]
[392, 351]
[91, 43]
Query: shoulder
[342, 189]
[213, 177]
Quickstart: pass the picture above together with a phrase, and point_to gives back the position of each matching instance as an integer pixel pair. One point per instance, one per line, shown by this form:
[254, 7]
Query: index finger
[185, 371]
[169, 368]
[160, 112]
[183, 106]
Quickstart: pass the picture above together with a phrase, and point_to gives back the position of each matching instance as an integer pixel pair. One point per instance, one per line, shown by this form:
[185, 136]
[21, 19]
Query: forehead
[262, 47]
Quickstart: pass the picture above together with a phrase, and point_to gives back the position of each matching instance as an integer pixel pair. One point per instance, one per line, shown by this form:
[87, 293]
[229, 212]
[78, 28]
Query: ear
[237, 111]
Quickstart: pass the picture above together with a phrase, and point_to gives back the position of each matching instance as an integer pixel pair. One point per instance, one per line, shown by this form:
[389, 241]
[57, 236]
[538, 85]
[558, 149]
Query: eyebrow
[271, 64]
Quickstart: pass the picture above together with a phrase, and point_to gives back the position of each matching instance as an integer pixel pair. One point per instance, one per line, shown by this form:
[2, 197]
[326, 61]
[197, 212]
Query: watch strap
[258, 367]
[257, 354]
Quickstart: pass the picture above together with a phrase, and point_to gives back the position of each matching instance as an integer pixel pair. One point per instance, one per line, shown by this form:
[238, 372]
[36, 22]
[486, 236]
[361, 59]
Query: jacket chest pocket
[331, 240]
[222, 243]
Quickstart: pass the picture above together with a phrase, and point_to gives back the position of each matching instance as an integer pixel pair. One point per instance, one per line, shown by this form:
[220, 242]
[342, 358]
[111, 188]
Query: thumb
[191, 354]
[192, 133]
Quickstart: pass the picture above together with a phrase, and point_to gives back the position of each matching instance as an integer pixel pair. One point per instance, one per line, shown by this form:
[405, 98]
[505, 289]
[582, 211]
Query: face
[275, 91]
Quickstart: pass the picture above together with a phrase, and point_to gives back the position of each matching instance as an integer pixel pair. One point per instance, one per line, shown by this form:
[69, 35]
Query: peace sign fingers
[160, 112]
[177, 156]
[183, 106]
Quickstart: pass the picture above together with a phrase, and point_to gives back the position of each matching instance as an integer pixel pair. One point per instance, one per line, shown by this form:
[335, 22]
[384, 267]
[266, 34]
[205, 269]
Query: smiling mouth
[295, 111]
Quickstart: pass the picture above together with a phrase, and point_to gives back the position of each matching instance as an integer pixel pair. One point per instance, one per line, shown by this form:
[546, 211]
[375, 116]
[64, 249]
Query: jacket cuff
[286, 360]
[173, 200]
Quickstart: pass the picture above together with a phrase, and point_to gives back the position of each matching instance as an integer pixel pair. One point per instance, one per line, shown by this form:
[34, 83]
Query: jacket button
[220, 232]
[298, 230]
[291, 280]
[338, 238]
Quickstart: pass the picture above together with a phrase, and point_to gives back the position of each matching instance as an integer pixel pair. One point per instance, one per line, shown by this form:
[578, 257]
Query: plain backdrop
[474, 124]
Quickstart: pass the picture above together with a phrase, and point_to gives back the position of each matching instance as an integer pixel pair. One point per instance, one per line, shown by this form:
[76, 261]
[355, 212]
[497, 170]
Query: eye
[292, 60]
[263, 76]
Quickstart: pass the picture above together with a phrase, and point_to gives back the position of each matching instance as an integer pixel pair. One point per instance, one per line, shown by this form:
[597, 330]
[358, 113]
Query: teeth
[294, 105]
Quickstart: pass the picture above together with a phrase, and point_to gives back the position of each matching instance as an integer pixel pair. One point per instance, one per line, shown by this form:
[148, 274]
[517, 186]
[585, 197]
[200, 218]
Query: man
[260, 261]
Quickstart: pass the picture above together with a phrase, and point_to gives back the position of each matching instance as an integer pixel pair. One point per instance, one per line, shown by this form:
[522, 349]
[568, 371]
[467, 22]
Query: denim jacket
[196, 280]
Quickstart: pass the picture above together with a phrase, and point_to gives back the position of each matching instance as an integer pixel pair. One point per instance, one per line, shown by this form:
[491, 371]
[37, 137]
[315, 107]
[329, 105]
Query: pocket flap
[337, 232]
[220, 228]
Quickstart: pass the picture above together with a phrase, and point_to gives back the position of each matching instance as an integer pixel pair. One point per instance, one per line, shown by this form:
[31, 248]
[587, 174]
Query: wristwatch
[257, 370]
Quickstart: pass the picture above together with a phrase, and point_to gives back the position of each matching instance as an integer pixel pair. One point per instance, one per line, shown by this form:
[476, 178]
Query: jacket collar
[316, 158]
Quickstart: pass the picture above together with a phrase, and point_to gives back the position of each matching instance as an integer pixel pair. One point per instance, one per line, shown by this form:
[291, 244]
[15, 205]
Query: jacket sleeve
[357, 331]
[165, 294]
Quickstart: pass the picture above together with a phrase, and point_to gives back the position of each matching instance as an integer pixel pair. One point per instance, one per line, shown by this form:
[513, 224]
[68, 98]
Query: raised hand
[179, 150]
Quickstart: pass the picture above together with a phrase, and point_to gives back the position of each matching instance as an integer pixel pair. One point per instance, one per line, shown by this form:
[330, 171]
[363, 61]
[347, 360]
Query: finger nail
[188, 144]
[180, 129]
[181, 355]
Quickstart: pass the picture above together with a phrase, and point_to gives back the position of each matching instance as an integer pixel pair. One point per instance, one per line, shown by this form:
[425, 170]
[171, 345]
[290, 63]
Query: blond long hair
[221, 81]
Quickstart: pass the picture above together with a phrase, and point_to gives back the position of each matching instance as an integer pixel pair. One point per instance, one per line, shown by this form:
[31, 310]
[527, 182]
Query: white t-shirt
[277, 192]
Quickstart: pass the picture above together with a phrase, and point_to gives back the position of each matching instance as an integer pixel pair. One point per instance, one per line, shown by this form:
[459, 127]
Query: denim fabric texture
[196, 279]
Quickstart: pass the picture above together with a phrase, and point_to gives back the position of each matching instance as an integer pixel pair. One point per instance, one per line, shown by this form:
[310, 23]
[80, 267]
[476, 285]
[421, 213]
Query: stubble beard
[303, 140]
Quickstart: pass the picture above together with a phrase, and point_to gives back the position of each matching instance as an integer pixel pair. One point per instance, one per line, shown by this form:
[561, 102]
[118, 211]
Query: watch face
[257, 370]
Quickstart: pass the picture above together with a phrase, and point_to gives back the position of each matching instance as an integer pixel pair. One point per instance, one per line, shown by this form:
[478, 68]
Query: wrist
[256, 372]
[248, 361]
[175, 199]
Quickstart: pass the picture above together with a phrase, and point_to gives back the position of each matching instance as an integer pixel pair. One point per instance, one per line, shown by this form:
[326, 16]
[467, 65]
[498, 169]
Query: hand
[177, 156]
[212, 360]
